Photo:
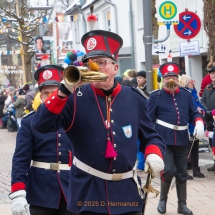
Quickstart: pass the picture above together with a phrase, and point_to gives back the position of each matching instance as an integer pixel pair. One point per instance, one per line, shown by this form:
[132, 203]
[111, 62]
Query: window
[4, 59]
[107, 20]
[75, 20]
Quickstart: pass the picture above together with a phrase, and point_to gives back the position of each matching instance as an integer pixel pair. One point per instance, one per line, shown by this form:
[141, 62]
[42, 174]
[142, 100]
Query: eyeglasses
[101, 63]
[46, 93]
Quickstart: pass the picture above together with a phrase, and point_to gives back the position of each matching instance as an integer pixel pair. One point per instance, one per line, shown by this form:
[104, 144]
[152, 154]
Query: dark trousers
[92, 213]
[211, 142]
[175, 161]
[194, 154]
[62, 210]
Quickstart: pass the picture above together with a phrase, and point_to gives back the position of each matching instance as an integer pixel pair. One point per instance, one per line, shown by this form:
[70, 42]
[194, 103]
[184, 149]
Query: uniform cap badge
[91, 44]
[47, 74]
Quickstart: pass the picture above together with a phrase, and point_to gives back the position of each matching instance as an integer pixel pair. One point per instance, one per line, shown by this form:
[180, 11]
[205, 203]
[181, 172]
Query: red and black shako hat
[100, 43]
[169, 69]
[49, 75]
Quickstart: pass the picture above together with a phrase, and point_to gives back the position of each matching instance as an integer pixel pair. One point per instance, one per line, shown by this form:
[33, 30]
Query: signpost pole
[148, 42]
[190, 66]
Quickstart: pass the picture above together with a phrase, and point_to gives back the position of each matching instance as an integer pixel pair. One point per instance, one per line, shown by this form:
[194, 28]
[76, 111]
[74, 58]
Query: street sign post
[160, 49]
[189, 48]
[189, 25]
[167, 12]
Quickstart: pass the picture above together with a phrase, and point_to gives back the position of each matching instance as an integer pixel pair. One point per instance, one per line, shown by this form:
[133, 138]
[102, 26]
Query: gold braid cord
[148, 187]
[209, 27]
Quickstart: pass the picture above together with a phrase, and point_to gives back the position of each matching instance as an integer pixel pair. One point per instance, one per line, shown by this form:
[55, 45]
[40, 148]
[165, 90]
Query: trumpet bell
[72, 75]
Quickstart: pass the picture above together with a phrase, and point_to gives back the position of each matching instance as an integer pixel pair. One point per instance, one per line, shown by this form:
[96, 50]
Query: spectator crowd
[14, 105]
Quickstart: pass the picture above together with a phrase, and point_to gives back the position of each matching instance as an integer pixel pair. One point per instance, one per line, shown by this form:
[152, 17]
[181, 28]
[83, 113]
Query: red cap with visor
[100, 43]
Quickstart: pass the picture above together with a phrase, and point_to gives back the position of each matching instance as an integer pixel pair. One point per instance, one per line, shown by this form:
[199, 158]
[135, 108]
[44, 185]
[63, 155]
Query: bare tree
[209, 27]
[13, 78]
[155, 59]
[24, 22]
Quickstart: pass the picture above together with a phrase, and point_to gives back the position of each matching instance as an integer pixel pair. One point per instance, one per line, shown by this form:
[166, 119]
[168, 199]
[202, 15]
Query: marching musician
[170, 110]
[41, 161]
[97, 119]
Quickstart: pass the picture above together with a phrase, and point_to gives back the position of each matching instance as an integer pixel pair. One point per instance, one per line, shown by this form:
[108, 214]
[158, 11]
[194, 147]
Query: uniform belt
[174, 127]
[51, 166]
[103, 175]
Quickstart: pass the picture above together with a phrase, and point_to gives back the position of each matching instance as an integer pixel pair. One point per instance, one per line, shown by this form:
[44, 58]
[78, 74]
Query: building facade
[125, 17]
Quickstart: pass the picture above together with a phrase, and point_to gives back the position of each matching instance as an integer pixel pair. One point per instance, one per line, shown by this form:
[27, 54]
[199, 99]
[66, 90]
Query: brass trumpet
[74, 75]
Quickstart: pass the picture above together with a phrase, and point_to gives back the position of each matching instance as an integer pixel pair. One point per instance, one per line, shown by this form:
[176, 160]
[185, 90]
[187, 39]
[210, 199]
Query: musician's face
[109, 67]
[171, 79]
[46, 91]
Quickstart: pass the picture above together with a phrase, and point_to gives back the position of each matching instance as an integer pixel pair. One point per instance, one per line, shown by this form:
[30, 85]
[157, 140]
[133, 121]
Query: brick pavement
[7, 146]
[201, 192]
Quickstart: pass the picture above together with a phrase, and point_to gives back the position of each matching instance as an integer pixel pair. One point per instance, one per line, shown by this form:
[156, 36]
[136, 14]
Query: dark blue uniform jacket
[43, 186]
[175, 109]
[88, 135]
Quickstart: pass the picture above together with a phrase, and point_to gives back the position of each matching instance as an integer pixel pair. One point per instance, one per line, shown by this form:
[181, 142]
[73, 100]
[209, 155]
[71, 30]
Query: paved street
[7, 145]
[201, 192]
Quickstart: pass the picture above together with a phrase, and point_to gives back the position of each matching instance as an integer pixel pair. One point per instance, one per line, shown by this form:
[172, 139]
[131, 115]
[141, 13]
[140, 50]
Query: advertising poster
[42, 46]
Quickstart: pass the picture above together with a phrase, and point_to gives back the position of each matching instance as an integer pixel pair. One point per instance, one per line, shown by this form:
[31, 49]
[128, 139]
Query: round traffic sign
[189, 25]
[167, 10]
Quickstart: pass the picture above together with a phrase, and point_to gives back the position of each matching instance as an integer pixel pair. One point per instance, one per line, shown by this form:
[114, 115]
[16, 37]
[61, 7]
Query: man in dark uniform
[170, 109]
[208, 102]
[103, 134]
[41, 162]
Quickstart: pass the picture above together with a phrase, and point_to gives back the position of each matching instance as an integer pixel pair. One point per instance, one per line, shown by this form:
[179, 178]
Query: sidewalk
[200, 192]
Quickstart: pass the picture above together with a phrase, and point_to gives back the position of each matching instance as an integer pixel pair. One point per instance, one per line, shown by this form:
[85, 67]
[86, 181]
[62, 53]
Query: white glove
[19, 203]
[209, 134]
[199, 130]
[155, 163]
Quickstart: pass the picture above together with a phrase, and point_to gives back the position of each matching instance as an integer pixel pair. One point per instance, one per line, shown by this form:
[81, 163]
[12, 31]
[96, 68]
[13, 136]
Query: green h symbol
[169, 10]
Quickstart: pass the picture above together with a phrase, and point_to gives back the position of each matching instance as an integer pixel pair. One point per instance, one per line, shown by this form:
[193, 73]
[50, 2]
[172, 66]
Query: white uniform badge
[91, 44]
[170, 68]
[47, 74]
[127, 131]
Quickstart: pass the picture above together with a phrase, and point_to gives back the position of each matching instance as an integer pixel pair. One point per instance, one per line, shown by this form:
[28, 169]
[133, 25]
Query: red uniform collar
[176, 91]
[100, 92]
